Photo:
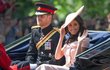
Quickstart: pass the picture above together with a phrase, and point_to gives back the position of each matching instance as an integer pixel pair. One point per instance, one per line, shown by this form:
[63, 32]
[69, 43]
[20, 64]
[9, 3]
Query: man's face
[44, 20]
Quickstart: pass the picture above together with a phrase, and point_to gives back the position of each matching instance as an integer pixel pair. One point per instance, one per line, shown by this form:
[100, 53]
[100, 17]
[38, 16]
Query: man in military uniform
[45, 54]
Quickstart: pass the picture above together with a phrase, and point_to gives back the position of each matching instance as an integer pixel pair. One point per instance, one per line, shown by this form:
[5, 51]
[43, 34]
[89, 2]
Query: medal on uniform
[48, 45]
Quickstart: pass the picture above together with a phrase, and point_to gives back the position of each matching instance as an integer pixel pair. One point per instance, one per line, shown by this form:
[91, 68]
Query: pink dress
[69, 53]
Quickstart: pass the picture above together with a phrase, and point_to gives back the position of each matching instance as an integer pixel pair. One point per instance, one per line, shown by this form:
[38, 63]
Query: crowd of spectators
[12, 28]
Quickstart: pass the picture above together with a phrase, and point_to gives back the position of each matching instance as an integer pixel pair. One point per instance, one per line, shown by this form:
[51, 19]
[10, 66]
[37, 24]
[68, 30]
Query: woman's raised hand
[62, 31]
[84, 35]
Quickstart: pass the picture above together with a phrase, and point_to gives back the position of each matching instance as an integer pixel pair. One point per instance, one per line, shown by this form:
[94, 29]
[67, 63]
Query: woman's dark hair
[81, 24]
[81, 29]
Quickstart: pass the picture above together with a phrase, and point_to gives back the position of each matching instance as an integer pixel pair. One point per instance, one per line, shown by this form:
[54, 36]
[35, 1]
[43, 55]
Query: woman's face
[73, 27]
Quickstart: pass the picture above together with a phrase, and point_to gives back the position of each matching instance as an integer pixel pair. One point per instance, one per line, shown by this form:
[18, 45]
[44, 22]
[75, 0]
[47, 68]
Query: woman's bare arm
[83, 41]
[83, 45]
[59, 52]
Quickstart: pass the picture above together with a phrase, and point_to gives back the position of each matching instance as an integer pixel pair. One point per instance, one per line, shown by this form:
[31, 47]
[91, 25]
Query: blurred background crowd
[12, 28]
[17, 16]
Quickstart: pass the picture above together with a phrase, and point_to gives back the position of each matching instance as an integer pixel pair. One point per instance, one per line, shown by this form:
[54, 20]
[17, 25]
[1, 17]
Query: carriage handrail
[17, 42]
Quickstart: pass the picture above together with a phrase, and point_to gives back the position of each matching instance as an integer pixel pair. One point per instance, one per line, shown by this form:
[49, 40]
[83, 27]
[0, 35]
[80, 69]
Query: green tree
[93, 8]
[97, 7]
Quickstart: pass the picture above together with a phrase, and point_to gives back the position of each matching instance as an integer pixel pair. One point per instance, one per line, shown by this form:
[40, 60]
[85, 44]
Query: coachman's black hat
[44, 9]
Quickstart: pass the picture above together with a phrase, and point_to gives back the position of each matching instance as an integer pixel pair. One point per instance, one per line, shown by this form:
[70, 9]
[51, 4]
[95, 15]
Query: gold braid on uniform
[44, 39]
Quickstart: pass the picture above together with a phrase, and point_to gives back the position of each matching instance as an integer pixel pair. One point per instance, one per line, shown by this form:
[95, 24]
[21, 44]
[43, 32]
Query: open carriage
[98, 53]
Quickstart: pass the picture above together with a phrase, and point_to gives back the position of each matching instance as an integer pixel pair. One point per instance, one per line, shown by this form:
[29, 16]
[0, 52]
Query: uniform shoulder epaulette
[34, 27]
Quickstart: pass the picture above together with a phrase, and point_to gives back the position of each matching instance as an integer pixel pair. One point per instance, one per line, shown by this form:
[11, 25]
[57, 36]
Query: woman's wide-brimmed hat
[70, 17]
